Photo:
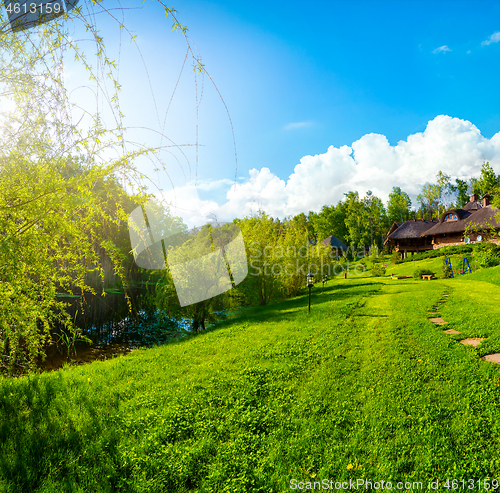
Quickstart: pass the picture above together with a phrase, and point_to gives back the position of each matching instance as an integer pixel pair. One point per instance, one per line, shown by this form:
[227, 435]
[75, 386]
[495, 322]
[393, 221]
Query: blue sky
[299, 78]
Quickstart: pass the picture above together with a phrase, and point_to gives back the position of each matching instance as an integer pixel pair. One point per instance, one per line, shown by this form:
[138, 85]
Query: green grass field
[363, 387]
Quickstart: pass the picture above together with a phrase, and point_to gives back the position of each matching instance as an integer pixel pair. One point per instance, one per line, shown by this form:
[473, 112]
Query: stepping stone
[474, 341]
[451, 331]
[438, 321]
[494, 358]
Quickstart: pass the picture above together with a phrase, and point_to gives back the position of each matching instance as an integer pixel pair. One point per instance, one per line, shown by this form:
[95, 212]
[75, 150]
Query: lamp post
[310, 278]
[323, 280]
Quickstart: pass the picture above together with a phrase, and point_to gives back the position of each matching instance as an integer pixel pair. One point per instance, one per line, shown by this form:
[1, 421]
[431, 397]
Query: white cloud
[451, 145]
[494, 38]
[441, 49]
[213, 185]
[293, 126]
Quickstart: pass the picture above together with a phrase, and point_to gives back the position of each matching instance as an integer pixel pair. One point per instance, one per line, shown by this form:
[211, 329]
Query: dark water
[110, 319]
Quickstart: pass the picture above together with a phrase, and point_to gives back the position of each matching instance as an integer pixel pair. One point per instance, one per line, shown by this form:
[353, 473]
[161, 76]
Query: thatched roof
[483, 218]
[334, 242]
[395, 225]
[411, 229]
[474, 205]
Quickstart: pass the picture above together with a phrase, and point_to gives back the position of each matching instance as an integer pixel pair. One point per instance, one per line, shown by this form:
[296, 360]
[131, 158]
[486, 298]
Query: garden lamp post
[310, 278]
[323, 280]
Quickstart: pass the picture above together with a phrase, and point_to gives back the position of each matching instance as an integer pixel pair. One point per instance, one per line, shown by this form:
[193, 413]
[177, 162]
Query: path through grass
[364, 387]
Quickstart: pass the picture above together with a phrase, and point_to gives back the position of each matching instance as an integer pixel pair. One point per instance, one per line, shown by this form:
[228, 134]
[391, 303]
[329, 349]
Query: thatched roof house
[408, 236]
[478, 218]
[335, 243]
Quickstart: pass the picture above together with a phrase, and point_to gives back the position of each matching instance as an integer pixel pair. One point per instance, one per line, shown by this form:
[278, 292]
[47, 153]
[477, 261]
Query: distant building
[450, 230]
[335, 244]
[407, 237]
[417, 236]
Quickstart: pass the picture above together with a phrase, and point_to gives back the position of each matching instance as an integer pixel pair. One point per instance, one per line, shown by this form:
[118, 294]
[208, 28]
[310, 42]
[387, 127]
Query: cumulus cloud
[293, 126]
[494, 38]
[441, 49]
[451, 145]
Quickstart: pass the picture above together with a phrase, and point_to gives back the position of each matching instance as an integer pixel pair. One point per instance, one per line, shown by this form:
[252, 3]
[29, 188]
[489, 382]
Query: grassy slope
[364, 381]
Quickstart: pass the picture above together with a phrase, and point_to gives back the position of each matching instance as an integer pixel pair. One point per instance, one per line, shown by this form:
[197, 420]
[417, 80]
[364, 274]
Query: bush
[487, 256]
[378, 270]
[374, 254]
[446, 270]
[418, 273]
[395, 257]
[439, 252]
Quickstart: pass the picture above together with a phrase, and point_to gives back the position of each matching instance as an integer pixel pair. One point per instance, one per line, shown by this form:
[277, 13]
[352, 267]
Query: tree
[399, 206]
[356, 221]
[462, 189]
[192, 272]
[446, 190]
[429, 201]
[330, 221]
[60, 202]
[488, 182]
[378, 221]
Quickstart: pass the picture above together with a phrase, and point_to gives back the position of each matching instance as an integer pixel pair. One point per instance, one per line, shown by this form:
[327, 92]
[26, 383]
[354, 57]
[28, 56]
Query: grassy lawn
[363, 387]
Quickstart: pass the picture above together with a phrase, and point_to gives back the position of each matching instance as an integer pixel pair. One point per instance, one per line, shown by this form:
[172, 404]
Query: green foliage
[59, 219]
[487, 255]
[395, 257]
[487, 183]
[462, 189]
[242, 404]
[375, 254]
[378, 270]
[63, 208]
[429, 201]
[418, 273]
[329, 221]
[445, 269]
[447, 189]
[399, 206]
[439, 252]
[365, 219]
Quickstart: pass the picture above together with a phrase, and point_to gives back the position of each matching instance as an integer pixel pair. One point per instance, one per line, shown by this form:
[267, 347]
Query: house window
[451, 217]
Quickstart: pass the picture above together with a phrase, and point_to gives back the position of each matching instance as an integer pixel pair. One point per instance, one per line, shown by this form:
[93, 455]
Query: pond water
[114, 329]
[112, 326]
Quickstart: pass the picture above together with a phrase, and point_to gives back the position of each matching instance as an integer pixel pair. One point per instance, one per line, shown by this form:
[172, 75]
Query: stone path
[495, 358]
[473, 341]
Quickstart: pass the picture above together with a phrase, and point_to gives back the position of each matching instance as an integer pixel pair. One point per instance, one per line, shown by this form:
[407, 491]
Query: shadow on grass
[41, 441]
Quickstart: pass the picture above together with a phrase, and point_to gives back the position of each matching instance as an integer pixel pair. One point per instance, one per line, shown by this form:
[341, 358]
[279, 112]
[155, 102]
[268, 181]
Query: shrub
[378, 270]
[439, 252]
[446, 270]
[487, 256]
[374, 254]
[395, 257]
[418, 273]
